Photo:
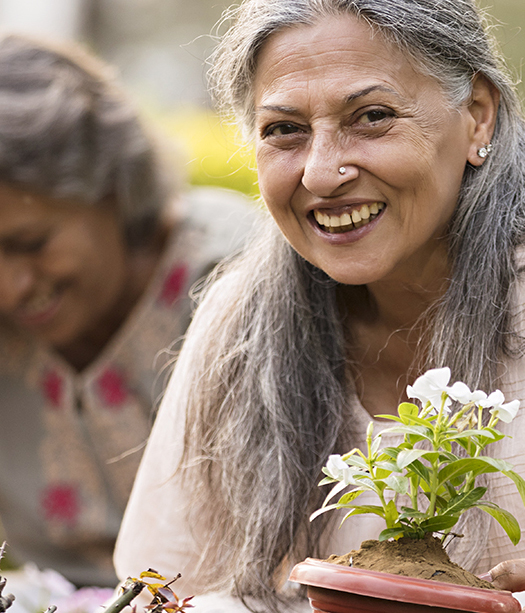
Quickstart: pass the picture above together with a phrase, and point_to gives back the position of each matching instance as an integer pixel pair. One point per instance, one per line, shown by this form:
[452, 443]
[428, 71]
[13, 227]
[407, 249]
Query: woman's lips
[38, 310]
[347, 219]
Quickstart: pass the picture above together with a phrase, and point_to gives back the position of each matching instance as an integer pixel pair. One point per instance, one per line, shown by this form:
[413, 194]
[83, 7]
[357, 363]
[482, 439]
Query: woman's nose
[328, 166]
[16, 281]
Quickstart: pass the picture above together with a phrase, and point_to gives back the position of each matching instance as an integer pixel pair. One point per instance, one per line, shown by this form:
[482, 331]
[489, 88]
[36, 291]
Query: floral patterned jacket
[70, 443]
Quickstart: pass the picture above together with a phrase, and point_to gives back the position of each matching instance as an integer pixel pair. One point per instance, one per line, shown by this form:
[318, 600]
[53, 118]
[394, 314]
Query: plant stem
[132, 590]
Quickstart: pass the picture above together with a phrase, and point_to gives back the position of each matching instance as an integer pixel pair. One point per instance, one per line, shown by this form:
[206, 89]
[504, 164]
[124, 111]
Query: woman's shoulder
[225, 218]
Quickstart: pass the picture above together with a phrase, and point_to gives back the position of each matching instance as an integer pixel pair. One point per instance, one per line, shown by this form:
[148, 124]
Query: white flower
[461, 392]
[338, 469]
[496, 403]
[430, 387]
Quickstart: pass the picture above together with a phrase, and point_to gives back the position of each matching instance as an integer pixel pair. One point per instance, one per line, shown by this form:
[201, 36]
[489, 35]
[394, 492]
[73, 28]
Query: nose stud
[342, 170]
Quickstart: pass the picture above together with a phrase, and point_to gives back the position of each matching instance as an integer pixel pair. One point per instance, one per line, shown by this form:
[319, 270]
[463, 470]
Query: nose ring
[342, 170]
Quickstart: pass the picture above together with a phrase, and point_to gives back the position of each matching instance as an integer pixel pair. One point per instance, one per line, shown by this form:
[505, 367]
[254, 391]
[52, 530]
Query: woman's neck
[388, 324]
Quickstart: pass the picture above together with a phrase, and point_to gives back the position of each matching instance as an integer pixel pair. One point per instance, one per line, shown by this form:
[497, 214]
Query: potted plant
[441, 455]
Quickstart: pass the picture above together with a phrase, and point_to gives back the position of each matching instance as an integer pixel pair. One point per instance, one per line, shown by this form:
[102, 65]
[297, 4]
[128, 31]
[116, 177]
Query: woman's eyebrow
[289, 110]
[368, 90]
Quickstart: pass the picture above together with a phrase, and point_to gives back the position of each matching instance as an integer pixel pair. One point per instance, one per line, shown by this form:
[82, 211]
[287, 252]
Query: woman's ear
[483, 108]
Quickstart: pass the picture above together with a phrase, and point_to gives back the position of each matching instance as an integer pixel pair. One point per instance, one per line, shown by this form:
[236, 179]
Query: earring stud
[342, 170]
[485, 150]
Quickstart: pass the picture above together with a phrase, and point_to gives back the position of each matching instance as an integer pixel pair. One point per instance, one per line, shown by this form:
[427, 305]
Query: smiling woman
[98, 252]
[390, 149]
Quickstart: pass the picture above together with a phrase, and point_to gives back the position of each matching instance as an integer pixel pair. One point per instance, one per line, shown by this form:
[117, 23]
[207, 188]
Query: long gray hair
[69, 131]
[271, 400]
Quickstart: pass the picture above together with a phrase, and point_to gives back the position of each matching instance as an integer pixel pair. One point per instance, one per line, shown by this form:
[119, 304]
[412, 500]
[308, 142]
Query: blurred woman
[98, 252]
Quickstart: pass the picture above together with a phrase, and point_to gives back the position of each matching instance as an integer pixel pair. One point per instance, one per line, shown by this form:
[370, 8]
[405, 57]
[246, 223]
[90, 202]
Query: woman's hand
[509, 575]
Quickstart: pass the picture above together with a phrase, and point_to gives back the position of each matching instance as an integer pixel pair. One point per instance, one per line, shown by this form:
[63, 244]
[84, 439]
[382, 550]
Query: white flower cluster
[431, 387]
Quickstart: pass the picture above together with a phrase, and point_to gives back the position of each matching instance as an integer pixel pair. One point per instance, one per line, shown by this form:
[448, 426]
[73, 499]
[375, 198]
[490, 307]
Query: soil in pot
[422, 558]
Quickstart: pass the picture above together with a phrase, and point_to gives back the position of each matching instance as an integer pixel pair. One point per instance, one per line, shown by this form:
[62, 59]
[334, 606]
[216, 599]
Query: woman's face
[63, 265]
[333, 96]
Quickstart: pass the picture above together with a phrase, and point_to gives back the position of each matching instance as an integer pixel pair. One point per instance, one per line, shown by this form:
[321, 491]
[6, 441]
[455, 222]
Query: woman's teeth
[38, 304]
[345, 222]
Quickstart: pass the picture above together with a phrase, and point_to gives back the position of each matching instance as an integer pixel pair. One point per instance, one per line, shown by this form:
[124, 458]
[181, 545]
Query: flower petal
[507, 412]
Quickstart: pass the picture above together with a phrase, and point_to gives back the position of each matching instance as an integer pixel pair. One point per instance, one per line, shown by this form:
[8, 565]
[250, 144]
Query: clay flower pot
[341, 589]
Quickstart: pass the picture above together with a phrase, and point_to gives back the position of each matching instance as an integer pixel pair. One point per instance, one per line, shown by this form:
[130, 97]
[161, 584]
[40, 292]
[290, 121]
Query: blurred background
[159, 48]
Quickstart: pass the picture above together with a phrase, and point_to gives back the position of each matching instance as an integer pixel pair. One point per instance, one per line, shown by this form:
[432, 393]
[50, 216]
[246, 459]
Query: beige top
[154, 531]
[71, 442]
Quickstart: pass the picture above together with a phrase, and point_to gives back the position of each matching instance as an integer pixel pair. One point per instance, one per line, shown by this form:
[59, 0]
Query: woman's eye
[374, 116]
[281, 129]
[26, 246]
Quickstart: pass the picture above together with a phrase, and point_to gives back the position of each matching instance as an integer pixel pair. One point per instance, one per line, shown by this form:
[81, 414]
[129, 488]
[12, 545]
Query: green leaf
[349, 497]
[364, 510]
[505, 519]
[431, 456]
[498, 436]
[356, 460]
[392, 452]
[420, 470]
[391, 513]
[389, 533]
[439, 522]
[408, 512]
[464, 501]
[419, 431]
[381, 473]
[468, 434]
[398, 483]
[518, 480]
[407, 456]
[446, 456]
[376, 486]
[407, 411]
[450, 490]
[422, 422]
[375, 445]
[391, 467]
[326, 481]
[466, 465]
[392, 417]
[441, 502]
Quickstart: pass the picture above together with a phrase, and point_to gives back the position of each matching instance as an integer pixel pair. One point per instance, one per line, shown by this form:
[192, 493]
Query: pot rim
[388, 586]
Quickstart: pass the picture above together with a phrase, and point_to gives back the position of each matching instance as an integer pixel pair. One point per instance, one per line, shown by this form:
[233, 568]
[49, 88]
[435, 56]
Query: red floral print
[53, 388]
[173, 284]
[112, 388]
[61, 503]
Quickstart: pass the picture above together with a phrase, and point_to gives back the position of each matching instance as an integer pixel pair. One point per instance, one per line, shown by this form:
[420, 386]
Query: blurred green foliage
[214, 150]
[507, 18]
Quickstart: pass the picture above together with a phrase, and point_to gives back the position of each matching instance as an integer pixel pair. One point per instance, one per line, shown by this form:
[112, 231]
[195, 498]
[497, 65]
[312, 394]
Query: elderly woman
[391, 157]
[97, 256]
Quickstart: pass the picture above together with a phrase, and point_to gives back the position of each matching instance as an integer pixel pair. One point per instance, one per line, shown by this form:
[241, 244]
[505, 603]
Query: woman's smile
[40, 308]
[347, 219]
[360, 156]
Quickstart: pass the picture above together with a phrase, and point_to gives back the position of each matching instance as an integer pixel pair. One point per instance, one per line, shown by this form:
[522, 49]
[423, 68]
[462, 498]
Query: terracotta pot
[340, 589]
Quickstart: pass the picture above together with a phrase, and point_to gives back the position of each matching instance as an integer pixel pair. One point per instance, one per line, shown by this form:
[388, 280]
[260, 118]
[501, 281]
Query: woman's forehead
[342, 54]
